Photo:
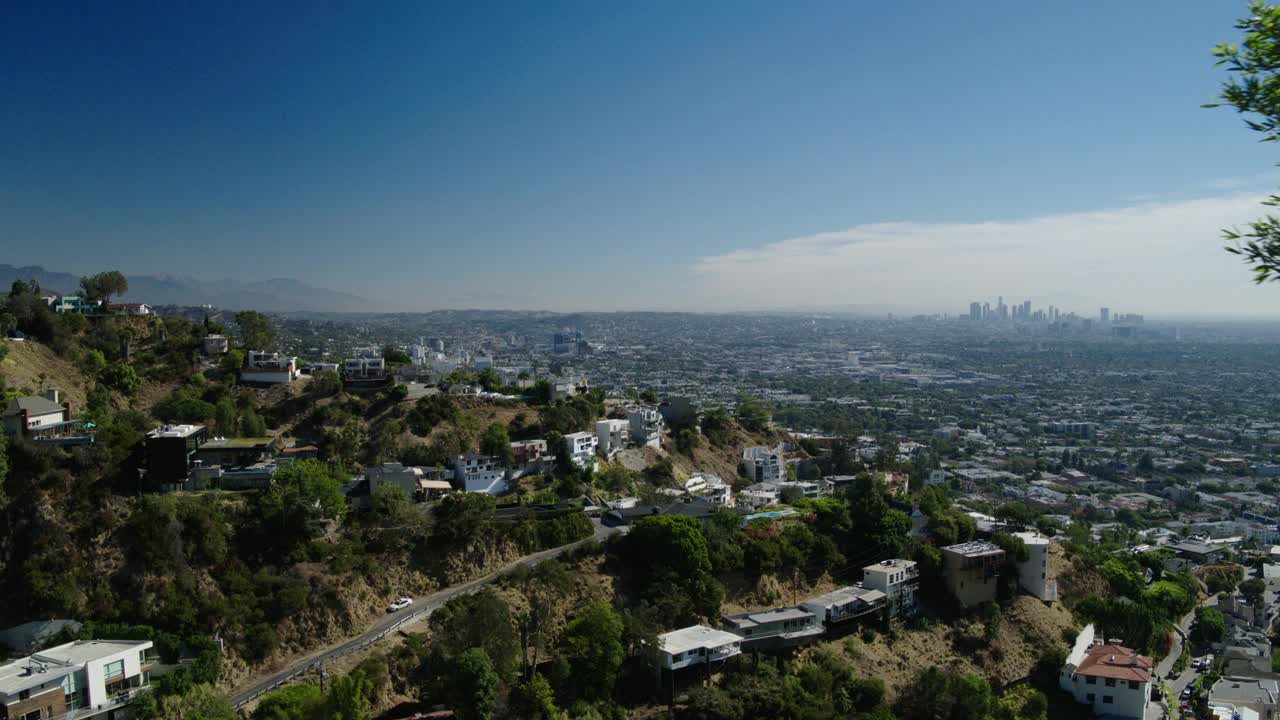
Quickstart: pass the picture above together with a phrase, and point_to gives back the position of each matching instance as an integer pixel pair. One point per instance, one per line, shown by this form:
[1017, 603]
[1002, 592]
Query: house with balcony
[581, 449]
[646, 425]
[972, 571]
[480, 473]
[845, 604]
[710, 487]
[898, 580]
[216, 344]
[697, 645]
[81, 679]
[139, 309]
[1113, 680]
[1261, 695]
[764, 465]
[270, 368]
[45, 419]
[74, 304]
[366, 368]
[530, 456]
[612, 435]
[775, 629]
[171, 453]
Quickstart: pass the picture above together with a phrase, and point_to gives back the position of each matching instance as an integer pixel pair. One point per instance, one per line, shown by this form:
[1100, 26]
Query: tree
[593, 647]
[496, 442]
[225, 422]
[1252, 91]
[103, 285]
[350, 697]
[1211, 626]
[256, 330]
[534, 699]
[474, 686]
[669, 556]
[251, 425]
[461, 516]
[753, 414]
[483, 621]
[395, 355]
[121, 377]
[305, 493]
[291, 702]
[1254, 591]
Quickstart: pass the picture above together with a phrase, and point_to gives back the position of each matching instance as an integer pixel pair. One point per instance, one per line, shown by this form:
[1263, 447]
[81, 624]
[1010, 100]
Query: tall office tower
[975, 312]
[986, 311]
[1026, 309]
[1105, 315]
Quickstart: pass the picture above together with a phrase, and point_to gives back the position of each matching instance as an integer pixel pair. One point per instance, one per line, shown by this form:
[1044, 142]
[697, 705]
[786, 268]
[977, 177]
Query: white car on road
[400, 604]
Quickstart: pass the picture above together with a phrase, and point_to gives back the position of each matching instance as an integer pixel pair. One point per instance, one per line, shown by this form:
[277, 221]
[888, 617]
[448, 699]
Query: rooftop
[1115, 661]
[766, 617]
[175, 431]
[977, 548]
[695, 636]
[222, 443]
[890, 565]
[846, 595]
[33, 404]
[47, 666]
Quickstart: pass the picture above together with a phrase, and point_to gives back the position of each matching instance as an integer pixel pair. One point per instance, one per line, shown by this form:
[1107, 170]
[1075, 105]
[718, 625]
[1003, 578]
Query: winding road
[422, 607]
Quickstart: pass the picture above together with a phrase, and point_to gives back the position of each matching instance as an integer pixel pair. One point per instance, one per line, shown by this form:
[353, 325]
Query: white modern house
[898, 580]
[1113, 680]
[581, 448]
[274, 368]
[774, 629]
[972, 571]
[711, 487]
[480, 474]
[762, 464]
[81, 679]
[759, 495]
[367, 365]
[612, 435]
[646, 425]
[697, 645]
[1033, 573]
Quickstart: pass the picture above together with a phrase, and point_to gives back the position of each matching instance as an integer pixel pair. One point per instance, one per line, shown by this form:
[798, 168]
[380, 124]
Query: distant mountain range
[277, 295]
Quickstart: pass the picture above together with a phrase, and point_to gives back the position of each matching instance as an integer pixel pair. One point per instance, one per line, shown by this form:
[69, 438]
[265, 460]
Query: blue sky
[658, 155]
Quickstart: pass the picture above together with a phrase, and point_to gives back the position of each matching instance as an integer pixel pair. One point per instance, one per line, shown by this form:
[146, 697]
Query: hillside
[32, 366]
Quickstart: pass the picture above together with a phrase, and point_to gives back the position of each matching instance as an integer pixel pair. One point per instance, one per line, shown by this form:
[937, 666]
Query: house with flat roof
[612, 435]
[1256, 694]
[972, 570]
[1033, 573]
[645, 425]
[764, 465]
[697, 645]
[81, 679]
[844, 604]
[270, 368]
[1113, 680]
[480, 473]
[171, 451]
[898, 580]
[1198, 552]
[235, 452]
[581, 448]
[774, 629]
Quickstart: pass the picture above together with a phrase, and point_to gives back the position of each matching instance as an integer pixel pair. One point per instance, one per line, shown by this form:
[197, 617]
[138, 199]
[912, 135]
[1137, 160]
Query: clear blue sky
[601, 155]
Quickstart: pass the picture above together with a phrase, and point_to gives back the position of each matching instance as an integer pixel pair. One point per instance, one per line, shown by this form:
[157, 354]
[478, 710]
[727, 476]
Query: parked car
[1186, 693]
[400, 604]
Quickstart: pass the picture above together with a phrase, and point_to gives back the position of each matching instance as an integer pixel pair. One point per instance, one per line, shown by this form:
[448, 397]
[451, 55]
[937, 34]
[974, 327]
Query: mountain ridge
[274, 295]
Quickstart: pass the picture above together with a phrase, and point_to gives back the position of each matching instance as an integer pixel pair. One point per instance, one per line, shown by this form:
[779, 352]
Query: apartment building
[612, 435]
[697, 645]
[81, 679]
[646, 425]
[581, 448]
[1113, 680]
[763, 464]
[972, 570]
[898, 580]
[272, 368]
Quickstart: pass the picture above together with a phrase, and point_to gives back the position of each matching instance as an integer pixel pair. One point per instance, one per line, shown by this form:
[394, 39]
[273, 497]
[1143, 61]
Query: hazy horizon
[575, 157]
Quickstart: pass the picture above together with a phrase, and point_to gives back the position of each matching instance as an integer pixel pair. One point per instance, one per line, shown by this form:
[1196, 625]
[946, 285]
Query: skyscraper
[1104, 316]
[975, 312]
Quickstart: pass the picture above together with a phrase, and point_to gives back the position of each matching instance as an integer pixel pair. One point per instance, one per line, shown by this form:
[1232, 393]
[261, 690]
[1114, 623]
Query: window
[1111, 682]
[1090, 697]
[113, 669]
[24, 694]
[1107, 699]
[33, 715]
[1133, 684]
[1091, 680]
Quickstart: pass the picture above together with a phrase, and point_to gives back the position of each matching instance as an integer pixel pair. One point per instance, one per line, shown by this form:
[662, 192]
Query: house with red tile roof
[1112, 679]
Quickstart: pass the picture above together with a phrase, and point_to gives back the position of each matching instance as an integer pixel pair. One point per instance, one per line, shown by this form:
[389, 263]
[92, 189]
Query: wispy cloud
[1159, 258]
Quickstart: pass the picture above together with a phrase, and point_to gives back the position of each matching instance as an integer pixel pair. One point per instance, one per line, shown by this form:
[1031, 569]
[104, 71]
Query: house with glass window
[81, 679]
[1113, 680]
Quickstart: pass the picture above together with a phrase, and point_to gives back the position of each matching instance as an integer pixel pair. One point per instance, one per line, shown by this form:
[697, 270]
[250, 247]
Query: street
[422, 608]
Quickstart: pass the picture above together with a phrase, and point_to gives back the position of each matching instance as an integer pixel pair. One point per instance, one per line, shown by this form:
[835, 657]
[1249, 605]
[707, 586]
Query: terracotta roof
[1114, 661]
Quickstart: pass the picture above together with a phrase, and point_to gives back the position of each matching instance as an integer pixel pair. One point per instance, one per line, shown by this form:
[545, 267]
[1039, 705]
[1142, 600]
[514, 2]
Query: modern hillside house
[270, 368]
[972, 571]
[82, 679]
[898, 580]
[697, 645]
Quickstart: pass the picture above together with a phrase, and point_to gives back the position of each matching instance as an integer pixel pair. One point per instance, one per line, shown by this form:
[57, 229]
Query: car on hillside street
[400, 604]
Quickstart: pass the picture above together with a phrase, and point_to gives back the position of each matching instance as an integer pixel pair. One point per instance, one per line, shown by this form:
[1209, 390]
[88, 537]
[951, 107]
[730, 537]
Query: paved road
[422, 608]
[1165, 666]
